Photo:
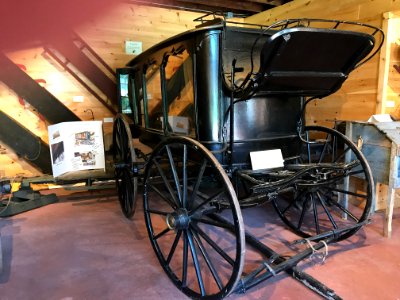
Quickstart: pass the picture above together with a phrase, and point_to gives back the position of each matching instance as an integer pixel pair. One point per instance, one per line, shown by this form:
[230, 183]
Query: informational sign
[266, 159]
[76, 146]
[133, 47]
[380, 118]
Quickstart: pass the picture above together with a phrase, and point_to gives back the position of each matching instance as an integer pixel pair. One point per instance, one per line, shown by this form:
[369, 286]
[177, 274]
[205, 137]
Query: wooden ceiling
[240, 7]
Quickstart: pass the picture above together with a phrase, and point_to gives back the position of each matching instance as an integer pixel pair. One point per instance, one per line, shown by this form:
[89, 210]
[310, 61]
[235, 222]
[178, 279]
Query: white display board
[76, 146]
[266, 159]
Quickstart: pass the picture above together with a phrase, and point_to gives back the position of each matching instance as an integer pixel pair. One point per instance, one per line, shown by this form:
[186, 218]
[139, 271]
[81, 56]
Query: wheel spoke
[334, 147]
[327, 211]
[219, 193]
[166, 182]
[128, 193]
[207, 259]
[162, 195]
[345, 210]
[303, 211]
[196, 263]
[341, 156]
[315, 211]
[174, 173]
[157, 212]
[293, 202]
[214, 223]
[214, 245]
[156, 237]
[308, 147]
[184, 177]
[355, 172]
[323, 152]
[288, 207]
[198, 181]
[349, 193]
[127, 204]
[185, 259]
[173, 247]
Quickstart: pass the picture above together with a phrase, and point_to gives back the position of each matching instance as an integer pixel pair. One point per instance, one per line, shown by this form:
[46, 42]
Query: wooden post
[390, 195]
[384, 66]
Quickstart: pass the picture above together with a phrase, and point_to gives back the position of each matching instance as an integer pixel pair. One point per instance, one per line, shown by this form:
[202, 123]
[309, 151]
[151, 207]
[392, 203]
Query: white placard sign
[380, 118]
[76, 146]
[133, 47]
[266, 159]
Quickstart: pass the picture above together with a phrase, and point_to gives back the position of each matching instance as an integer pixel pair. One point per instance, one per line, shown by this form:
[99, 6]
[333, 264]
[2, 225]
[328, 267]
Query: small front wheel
[334, 192]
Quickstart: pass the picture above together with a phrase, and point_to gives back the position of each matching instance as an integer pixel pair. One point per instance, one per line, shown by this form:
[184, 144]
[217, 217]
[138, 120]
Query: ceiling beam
[229, 5]
[170, 4]
[270, 2]
[206, 6]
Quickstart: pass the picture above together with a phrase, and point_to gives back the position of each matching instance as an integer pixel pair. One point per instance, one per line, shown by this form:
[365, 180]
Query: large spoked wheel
[124, 156]
[193, 219]
[334, 191]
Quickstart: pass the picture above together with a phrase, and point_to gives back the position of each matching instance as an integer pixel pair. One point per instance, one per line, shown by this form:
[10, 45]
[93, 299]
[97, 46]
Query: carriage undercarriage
[194, 194]
[312, 198]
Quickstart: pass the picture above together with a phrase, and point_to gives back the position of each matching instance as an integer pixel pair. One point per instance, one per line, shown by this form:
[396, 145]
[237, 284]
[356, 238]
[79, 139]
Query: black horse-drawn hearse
[222, 108]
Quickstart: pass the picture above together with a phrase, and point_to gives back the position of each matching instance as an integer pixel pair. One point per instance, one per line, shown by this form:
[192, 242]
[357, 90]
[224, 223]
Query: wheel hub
[178, 219]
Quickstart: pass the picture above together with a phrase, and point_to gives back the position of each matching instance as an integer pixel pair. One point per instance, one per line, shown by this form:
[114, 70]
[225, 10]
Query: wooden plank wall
[149, 25]
[361, 95]
[106, 35]
[357, 100]
[389, 79]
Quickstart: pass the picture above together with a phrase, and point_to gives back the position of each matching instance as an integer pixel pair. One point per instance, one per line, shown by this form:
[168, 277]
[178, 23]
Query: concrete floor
[83, 248]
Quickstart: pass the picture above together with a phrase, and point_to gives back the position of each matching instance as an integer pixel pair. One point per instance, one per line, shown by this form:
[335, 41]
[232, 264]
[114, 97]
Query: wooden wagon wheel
[124, 156]
[193, 219]
[328, 199]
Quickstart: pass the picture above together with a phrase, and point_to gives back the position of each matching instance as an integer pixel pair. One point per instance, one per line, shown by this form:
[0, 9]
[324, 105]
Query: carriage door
[126, 93]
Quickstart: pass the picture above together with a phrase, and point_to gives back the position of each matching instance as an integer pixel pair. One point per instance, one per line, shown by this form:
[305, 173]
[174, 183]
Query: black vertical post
[232, 111]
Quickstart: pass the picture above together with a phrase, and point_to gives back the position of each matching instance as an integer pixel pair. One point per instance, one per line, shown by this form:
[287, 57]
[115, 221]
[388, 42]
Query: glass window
[123, 83]
[180, 93]
[132, 95]
[154, 97]
[139, 98]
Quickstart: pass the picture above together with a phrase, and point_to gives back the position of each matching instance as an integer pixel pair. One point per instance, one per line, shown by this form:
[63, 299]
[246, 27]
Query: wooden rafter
[247, 7]
[228, 5]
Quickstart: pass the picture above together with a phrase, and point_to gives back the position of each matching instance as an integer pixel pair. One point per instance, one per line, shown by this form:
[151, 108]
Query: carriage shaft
[276, 263]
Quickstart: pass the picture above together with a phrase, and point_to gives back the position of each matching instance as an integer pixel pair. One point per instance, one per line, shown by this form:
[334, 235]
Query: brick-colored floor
[83, 248]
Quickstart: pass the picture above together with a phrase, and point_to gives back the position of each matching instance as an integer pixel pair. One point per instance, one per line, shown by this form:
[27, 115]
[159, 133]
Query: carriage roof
[172, 40]
[293, 59]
